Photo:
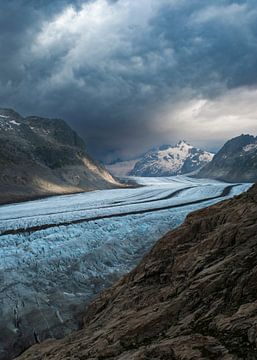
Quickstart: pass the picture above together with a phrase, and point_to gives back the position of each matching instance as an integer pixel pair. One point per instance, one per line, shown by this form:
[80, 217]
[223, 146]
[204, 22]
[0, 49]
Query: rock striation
[194, 296]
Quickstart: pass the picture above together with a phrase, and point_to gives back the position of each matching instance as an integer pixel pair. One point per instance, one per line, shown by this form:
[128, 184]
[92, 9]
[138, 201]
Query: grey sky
[132, 74]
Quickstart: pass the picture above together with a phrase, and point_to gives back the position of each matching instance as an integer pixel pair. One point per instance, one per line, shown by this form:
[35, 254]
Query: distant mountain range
[40, 157]
[235, 162]
[170, 160]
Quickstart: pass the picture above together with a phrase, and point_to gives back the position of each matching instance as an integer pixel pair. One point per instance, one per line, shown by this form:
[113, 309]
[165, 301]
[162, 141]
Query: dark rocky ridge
[235, 162]
[193, 297]
[41, 157]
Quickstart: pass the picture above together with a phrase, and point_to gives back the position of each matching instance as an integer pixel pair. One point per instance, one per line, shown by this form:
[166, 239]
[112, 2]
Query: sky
[130, 75]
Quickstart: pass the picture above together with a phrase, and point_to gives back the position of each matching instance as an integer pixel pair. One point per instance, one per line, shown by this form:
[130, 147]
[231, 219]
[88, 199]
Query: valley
[128, 180]
[60, 252]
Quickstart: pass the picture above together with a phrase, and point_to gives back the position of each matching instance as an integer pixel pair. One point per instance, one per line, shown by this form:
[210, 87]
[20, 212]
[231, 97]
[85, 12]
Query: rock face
[194, 296]
[40, 157]
[170, 160]
[235, 162]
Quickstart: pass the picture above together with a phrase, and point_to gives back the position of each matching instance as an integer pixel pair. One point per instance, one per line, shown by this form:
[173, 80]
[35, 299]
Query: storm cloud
[132, 74]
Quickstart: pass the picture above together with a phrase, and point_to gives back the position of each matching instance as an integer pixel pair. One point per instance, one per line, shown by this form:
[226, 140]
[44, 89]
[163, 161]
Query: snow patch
[250, 147]
[15, 122]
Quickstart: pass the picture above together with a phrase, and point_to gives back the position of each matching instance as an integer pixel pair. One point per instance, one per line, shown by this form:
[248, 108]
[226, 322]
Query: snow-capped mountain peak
[170, 160]
[183, 143]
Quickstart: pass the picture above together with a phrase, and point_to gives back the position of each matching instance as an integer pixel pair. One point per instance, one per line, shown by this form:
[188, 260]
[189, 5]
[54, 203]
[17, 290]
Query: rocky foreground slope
[170, 160]
[40, 157]
[193, 297]
[235, 162]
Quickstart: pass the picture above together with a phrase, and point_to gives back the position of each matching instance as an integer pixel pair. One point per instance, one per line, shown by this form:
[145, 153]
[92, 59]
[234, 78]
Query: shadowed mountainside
[235, 162]
[41, 157]
[194, 296]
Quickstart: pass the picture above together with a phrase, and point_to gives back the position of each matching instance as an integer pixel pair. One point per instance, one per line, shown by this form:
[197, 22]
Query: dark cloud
[122, 72]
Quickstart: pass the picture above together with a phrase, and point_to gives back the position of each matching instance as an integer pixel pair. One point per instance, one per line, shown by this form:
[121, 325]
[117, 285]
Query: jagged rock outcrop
[170, 160]
[40, 157]
[194, 296]
[235, 162]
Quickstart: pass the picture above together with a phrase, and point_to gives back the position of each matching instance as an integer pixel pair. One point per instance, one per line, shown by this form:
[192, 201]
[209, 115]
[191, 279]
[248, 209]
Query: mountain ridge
[235, 162]
[42, 157]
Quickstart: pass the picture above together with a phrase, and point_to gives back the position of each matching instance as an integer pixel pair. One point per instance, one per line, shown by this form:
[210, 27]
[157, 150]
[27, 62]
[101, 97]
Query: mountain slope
[40, 157]
[235, 162]
[121, 168]
[171, 160]
[193, 297]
